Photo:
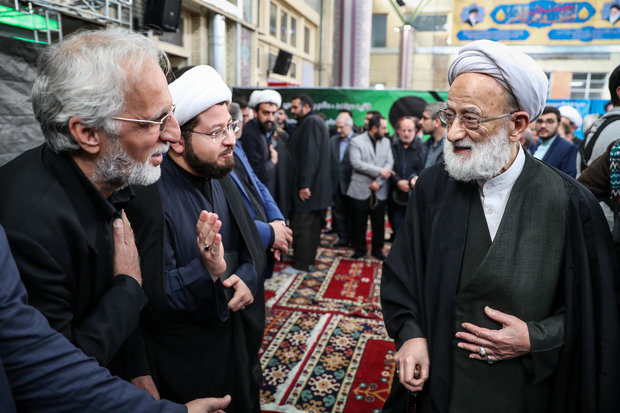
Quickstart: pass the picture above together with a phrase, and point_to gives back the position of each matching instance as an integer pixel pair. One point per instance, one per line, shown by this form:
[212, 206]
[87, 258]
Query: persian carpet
[325, 347]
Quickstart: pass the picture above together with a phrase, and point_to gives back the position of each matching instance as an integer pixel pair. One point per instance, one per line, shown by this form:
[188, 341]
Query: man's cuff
[272, 237]
[410, 330]
[546, 342]
[133, 287]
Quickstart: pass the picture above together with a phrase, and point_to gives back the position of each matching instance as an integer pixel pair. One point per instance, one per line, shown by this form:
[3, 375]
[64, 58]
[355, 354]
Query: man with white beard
[492, 307]
[106, 114]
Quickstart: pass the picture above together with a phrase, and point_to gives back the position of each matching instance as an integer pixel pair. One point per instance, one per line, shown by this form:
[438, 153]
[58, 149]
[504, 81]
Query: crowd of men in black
[371, 172]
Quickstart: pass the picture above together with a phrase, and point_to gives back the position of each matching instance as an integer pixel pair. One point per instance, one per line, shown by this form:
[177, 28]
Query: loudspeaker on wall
[283, 63]
[163, 13]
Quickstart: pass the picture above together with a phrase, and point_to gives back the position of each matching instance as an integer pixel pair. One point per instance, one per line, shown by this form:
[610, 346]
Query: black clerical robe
[199, 352]
[423, 270]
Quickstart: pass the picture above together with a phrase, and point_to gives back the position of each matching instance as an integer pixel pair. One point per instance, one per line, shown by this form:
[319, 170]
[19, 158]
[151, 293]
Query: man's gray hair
[435, 107]
[235, 111]
[529, 137]
[87, 76]
[348, 120]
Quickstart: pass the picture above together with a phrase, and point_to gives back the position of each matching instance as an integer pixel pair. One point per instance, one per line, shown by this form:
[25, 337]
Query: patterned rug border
[331, 305]
[319, 349]
[352, 371]
[376, 282]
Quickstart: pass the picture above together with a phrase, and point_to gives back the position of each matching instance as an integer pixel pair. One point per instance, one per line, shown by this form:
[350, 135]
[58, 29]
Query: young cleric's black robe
[194, 354]
[422, 273]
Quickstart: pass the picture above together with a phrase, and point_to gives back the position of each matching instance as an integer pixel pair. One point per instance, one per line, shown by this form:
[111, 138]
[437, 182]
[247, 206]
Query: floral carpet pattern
[325, 347]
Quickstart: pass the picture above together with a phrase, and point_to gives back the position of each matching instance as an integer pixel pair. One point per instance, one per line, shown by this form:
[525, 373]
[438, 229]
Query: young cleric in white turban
[500, 289]
[265, 96]
[202, 256]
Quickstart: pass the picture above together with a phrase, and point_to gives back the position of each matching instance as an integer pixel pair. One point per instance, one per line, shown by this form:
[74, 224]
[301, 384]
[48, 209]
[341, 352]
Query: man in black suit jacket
[64, 199]
[341, 176]
[313, 191]
[408, 153]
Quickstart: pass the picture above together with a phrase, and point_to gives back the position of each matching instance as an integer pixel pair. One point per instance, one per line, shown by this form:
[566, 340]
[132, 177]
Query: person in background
[369, 115]
[408, 154]
[269, 220]
[355, 128]
[341, 176]
[432, 125]
[588, 122]
[312, 190]
[528, 141]
[371, 161]
[558, 153]
[573, 121]
[606, 127]
[284, 123]
[246, 112]
[257, 136]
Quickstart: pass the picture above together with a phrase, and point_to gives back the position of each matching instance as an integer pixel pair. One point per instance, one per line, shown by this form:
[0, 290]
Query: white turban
[571, 114]
[514, 70]
[264, 96]
[196, 91]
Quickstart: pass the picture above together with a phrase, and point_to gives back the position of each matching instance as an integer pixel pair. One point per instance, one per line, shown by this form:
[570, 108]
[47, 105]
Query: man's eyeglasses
[163, 122]
[468, 120]
[220, 134]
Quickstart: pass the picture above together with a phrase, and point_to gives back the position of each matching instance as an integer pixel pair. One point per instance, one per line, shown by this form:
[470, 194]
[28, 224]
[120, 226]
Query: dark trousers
[340, 216]
[396, 215]
[306, 228]
[359, 222]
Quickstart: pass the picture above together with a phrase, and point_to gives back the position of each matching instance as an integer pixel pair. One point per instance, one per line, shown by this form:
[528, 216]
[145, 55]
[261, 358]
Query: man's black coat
[60, 231]
[310, 150]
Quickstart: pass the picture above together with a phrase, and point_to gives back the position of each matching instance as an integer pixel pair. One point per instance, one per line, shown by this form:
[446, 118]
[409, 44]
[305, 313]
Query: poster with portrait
[538, 22]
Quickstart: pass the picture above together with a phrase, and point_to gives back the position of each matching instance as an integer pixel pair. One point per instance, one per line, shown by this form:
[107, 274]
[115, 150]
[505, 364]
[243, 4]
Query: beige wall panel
[560, 87]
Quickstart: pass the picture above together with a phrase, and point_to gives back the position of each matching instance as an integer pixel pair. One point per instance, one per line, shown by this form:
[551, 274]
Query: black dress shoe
[358, 254]
[378, 255]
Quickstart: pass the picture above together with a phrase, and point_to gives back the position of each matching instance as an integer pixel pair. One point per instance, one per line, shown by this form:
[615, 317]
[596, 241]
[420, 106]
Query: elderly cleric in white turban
[196, 91]
[513, 69]
[264, 96]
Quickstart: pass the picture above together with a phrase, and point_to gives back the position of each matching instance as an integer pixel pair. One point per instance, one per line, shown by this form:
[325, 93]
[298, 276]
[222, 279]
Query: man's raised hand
[209, 242]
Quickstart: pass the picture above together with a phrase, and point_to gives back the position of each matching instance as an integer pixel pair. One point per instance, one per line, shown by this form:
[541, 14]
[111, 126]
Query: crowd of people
[367, 172]
[140, 233]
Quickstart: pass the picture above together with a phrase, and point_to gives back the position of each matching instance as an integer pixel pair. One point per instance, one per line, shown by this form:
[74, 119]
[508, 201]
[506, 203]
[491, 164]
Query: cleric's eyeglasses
[163, 122]
[220, 134]
[468, 120]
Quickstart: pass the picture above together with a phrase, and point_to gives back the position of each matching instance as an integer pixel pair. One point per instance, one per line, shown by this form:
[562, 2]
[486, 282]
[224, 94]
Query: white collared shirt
[494, 193]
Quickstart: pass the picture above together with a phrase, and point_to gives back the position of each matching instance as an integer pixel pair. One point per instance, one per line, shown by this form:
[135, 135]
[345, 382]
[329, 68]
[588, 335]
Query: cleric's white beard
[486, 160]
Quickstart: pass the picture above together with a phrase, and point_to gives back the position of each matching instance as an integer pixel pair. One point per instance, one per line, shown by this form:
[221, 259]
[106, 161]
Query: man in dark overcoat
[312, 192]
